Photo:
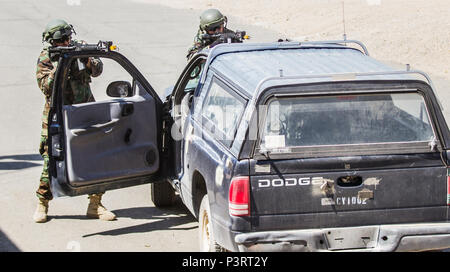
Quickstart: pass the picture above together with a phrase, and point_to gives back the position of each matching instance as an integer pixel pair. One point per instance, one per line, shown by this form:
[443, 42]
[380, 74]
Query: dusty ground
[402, 31]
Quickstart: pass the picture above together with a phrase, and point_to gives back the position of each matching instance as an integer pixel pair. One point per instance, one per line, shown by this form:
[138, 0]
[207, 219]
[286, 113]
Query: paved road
[155, 39]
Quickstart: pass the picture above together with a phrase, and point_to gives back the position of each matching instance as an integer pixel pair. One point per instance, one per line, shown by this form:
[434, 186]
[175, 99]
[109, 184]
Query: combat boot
[97, 210]
[40, 215]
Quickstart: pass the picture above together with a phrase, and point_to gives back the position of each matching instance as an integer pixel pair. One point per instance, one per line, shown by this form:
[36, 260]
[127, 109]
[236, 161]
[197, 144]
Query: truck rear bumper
[404, 237]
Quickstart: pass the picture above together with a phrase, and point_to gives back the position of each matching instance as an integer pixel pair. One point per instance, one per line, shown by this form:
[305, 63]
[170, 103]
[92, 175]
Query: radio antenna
[343, 19]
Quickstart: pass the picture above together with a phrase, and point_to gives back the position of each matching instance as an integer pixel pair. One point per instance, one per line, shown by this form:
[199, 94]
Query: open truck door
[112, 142]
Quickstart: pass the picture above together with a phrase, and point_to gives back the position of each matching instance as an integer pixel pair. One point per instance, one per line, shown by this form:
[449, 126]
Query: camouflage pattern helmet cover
[56, 30]
[211, 18]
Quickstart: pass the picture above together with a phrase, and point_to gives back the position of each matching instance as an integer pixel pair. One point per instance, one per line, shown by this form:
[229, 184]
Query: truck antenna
[343, 20]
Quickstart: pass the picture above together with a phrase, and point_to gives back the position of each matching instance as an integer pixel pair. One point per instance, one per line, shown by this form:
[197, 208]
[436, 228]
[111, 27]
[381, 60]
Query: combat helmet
[56, 30]
[211, 18]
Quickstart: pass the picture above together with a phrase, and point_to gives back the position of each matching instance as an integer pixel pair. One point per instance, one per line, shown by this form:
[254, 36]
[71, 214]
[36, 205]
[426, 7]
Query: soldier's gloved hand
[95, 65]
[88, 63]
[54, 56]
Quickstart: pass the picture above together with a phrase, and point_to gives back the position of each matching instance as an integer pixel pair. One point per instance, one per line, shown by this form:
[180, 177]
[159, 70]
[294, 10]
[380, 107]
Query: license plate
[352, 238]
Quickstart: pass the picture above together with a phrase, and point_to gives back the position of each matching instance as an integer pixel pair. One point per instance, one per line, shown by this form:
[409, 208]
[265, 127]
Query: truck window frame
[346, 150]
[206, 121]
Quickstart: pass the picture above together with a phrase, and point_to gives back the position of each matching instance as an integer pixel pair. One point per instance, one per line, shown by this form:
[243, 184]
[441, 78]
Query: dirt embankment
[402, 31]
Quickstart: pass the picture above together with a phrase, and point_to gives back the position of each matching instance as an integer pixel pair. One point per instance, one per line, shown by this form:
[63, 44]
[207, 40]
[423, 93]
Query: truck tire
[206, 235]
[162, 194]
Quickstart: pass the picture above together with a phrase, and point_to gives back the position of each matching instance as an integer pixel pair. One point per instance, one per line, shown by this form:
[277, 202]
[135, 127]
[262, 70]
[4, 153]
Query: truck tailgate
[291, 197]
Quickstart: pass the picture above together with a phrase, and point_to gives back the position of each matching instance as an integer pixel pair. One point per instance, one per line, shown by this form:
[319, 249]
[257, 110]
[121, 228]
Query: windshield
[344, 120]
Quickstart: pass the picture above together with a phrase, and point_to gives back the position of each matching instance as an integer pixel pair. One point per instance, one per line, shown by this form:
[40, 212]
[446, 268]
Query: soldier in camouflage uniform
[58, 33]
[211, 22]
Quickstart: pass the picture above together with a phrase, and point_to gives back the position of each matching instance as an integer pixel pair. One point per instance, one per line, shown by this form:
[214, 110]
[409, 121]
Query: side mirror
[195, 73]
[119, 89]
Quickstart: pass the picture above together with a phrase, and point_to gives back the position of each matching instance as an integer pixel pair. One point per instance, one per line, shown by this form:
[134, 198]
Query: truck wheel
[162, 194]
[206, 235]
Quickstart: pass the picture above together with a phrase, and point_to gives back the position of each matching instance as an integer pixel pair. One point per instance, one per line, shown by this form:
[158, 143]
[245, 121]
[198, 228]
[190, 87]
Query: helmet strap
[73, 29]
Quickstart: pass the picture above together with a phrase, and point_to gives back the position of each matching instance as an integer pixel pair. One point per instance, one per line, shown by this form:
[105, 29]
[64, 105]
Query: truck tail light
[239, 196]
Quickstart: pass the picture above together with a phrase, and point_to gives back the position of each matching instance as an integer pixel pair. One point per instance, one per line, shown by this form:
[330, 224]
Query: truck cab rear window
[346, 120]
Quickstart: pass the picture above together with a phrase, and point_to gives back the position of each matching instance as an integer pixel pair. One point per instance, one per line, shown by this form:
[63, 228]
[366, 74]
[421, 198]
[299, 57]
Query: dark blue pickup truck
[284, 146]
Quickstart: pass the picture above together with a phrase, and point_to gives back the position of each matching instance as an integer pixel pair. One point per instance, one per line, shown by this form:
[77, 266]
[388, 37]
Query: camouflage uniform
[199, 43]
[77, 91]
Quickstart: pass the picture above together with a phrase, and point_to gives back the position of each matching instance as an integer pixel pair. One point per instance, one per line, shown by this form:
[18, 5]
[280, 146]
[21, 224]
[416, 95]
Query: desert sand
[415, 32]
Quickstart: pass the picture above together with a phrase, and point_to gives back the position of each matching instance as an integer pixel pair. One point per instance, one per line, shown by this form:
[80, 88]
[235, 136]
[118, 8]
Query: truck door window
[222, 111]
[84, 84]
[193, 78]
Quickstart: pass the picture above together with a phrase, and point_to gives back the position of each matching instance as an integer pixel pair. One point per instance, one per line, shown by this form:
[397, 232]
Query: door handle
[349, 181]
[127, 109]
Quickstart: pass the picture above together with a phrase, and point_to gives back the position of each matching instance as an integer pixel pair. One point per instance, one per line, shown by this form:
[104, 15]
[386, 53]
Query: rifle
[232, 37]
[56, 51]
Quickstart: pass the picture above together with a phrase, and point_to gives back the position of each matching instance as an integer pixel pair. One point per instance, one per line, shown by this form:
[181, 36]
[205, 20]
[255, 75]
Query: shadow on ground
[172, 218]
[18, 162]
[74, 217]
[7, 245]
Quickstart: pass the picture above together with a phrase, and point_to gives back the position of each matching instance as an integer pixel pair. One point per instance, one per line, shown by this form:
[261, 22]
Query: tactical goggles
[214, 27]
